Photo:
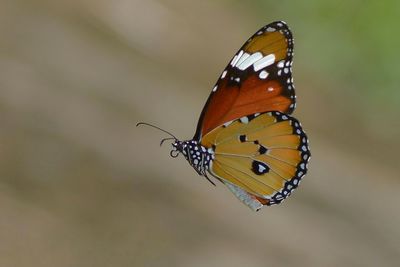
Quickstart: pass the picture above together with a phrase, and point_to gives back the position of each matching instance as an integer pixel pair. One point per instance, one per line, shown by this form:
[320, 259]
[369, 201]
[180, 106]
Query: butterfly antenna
[151, 125]
[165, 139]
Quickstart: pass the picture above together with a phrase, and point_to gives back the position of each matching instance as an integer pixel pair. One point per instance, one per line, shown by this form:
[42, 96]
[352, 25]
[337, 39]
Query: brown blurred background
[82, 186]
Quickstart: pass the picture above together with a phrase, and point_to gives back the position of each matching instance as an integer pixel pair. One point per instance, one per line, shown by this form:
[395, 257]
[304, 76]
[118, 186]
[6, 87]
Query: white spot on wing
[244, 119]
[261, 168]
[281, 64]
[264, 62]
[236, 58]
[223, 74]
[226, 124]
[241, 59]
[249, 61]
[215, 88]
[263, 74]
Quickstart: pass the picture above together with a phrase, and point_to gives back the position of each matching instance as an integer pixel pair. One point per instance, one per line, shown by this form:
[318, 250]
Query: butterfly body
[198, 156]
[245, 136]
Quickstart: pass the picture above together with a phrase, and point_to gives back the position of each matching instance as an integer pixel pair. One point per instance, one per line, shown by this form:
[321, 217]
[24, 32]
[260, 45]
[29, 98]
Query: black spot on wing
[262, 150]
[259, 167]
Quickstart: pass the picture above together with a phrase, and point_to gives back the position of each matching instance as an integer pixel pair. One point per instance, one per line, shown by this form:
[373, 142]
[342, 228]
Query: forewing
[265, 155]
[257, 79]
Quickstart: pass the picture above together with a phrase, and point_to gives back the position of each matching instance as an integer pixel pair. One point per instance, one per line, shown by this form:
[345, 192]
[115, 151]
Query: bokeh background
[82, 186]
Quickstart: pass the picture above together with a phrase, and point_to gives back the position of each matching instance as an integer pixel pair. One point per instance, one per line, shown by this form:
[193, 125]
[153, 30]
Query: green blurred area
[82, 186]
[349, 44]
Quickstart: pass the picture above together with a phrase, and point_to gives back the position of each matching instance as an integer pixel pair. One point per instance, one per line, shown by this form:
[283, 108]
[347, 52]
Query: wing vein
[249, 157]
[253, 157]
[231, 137]
[258, 180]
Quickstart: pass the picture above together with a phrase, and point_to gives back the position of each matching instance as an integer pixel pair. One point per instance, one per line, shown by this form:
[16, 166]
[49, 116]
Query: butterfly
[245, 137]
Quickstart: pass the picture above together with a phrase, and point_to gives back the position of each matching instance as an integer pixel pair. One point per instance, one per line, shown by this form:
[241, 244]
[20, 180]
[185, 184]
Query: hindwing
[264, 155]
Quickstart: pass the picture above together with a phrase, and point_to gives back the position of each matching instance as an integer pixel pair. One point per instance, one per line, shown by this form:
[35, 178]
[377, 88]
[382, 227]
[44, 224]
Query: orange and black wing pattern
[257, 79]
[261, 158]
[245, 137]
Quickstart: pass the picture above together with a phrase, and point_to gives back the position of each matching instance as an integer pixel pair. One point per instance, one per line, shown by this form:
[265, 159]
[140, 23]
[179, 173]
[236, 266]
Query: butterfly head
[177, 147]
[184, 147]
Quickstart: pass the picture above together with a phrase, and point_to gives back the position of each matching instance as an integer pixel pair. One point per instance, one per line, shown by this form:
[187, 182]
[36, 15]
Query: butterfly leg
[205, 175]
[203, 170]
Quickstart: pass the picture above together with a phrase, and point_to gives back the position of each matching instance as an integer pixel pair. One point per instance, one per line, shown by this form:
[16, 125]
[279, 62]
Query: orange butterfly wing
[258, 79]
[260, 158]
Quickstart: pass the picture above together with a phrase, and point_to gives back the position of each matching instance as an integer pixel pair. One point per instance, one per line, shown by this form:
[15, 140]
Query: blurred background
[82, 186]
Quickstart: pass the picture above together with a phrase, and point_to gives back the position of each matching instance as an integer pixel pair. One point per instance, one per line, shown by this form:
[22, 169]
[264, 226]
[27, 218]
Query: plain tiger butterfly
[245, 137]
